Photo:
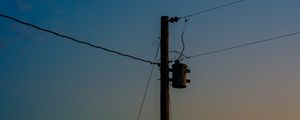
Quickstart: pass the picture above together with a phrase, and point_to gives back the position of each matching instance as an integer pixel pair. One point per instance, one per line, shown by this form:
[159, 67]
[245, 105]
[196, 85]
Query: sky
[45, 77]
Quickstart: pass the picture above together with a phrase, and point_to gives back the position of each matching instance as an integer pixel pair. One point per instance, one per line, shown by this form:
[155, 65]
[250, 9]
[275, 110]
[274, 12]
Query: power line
[147, 86]
[179, 53]
[242, 45]
[182, 39]
[75, 40]
[211, 9]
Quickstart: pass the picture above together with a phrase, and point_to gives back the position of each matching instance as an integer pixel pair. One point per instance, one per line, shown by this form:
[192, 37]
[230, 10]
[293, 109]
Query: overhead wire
[187, 17]
[147, 85]
[211, 9]
[75, 40]
[242, 45]
[179, 53]
[182, 38]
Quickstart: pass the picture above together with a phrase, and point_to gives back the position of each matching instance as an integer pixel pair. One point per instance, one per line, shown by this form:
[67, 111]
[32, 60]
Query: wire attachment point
[174, 19]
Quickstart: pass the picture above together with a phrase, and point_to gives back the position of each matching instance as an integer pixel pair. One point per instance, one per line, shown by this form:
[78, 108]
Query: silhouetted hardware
[179, 71]
[174, 19]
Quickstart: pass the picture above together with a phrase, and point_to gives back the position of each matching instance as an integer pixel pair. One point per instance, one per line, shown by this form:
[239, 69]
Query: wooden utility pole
[164, 69]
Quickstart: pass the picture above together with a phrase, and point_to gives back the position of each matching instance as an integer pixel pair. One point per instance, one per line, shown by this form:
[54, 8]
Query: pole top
[172, 19]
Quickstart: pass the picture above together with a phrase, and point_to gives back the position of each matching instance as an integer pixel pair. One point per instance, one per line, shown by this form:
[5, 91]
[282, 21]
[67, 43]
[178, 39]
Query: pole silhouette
[164, 69]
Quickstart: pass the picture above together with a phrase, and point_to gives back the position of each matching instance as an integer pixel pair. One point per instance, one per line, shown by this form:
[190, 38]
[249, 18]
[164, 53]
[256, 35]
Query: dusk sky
[45, 77]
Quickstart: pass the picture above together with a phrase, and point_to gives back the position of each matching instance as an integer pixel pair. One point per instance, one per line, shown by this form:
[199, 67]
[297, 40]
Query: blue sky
[44, 77]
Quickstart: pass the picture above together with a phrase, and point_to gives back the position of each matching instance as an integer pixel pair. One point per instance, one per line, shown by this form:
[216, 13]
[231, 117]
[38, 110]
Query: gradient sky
[44, 77]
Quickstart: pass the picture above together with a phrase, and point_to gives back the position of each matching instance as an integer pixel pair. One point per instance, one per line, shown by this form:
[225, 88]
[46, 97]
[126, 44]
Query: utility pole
[164, 69]
[179, 70]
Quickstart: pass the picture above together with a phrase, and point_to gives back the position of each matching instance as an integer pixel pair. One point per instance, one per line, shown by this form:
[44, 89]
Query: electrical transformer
[179, 77]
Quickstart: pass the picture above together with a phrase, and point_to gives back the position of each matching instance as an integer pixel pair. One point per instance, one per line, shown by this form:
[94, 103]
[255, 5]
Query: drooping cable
[147, 85]
[179, 53]
[75, 40]
[211, 9]
[182, 39]
[242, 45]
